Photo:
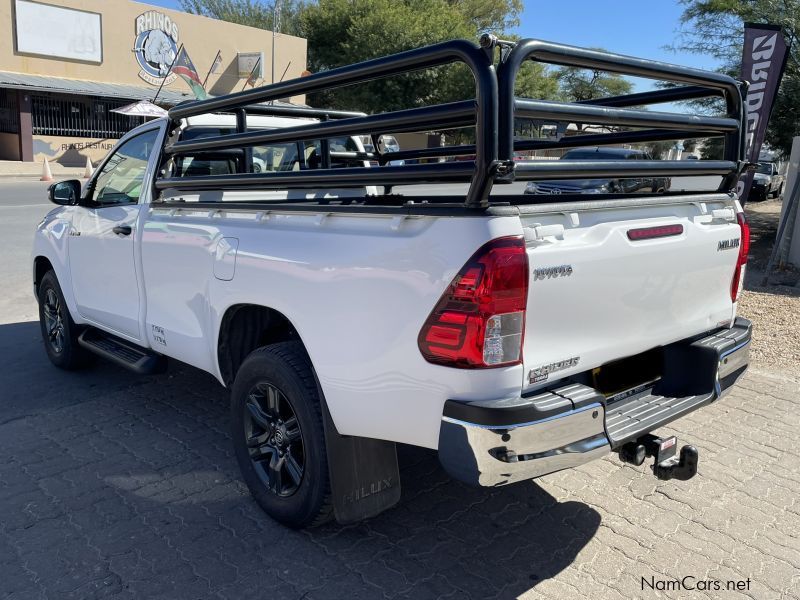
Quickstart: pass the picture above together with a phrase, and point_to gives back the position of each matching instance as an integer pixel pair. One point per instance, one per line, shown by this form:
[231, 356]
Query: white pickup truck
[515, 334]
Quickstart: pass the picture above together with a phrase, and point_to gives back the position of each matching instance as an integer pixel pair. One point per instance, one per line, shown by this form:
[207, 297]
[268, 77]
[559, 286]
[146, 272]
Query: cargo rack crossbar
[492, 113]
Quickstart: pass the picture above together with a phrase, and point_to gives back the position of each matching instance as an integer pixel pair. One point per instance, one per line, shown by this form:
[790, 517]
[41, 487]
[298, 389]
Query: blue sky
[637, 27]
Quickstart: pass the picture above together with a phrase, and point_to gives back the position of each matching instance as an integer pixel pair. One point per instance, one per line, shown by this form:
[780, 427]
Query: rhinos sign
[763, 61]
[156, 46]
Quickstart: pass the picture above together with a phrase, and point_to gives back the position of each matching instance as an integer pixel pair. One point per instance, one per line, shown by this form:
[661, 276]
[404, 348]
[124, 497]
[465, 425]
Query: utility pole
[276, 23]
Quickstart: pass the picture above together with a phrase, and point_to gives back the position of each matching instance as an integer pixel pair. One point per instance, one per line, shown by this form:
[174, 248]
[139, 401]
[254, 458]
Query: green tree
[584, 84]
[576, 85]
[713, 149]
[496, 16]
[659, 150]
[716, 28]
[341, 32]
[253, 13]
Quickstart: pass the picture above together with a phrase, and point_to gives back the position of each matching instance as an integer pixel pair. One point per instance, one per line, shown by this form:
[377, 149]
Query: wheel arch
[41, 265]
[245, 327]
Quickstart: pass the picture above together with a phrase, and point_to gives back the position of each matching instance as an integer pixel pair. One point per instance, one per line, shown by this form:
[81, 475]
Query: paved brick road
[123, 487]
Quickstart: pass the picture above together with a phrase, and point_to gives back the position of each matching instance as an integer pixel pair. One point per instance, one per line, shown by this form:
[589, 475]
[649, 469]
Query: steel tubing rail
[619, 137]
[456, 114]
[345, 177]
[674, 94]
[585, 169]
[627, 117]
[564, 55]
[572, 141]
[281, 110]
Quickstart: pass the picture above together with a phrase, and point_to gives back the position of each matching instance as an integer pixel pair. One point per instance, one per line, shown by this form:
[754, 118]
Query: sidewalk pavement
[26, 170]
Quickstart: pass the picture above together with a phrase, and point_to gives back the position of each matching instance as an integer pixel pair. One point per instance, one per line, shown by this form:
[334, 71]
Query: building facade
[66, 64]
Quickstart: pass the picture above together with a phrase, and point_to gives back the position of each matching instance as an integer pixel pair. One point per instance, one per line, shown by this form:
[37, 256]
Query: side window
[122, 177]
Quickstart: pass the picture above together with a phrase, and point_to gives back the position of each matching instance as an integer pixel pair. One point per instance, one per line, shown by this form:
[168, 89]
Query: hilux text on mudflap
[515, 334]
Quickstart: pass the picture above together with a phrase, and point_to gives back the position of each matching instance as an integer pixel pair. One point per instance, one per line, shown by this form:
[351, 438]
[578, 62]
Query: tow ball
[666, 465]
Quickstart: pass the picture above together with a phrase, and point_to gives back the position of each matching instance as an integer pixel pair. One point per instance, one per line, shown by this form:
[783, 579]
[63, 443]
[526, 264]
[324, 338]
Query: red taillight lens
[741, 262]
[480, 319]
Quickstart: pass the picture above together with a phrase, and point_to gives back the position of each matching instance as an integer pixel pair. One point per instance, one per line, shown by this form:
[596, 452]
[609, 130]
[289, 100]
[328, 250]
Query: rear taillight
[741, 261]
[480, 319]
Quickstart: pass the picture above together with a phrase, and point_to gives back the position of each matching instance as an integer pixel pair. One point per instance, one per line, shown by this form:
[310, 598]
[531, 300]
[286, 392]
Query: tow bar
[666, 465]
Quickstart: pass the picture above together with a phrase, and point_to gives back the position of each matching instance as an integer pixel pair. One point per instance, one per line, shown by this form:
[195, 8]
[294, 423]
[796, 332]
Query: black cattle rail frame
[491, 113]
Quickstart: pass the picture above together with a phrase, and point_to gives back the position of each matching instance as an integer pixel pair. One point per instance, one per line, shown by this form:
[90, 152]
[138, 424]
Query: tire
[278, 435]
[59, 332]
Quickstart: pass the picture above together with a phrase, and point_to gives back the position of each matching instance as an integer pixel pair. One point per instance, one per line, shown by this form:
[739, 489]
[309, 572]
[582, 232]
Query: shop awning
[41, 83]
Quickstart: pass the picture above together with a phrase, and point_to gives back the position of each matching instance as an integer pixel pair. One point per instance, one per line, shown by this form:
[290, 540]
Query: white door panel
[102, 264]
[103, 260]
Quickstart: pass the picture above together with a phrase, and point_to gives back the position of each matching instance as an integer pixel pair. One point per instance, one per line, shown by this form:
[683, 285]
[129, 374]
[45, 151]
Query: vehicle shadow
[137, 473]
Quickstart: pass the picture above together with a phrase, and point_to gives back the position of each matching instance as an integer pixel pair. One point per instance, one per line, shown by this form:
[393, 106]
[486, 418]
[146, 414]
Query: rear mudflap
[364, 476]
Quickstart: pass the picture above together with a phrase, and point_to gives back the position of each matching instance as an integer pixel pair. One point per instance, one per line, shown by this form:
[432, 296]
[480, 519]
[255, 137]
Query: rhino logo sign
[156, 46]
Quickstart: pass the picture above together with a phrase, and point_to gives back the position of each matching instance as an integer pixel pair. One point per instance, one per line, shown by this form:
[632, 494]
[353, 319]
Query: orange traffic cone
[46, 174]
[89, 170]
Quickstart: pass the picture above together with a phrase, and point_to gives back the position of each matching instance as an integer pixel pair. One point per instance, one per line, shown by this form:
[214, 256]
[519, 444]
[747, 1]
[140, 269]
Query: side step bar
[122, 352]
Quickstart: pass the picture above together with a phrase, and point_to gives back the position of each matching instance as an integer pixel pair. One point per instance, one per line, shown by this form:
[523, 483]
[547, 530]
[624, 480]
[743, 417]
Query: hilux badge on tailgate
[728, 244]
[543, 372]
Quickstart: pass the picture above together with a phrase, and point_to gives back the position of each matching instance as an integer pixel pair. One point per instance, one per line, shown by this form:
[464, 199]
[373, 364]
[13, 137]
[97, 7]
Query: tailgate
[596, 296]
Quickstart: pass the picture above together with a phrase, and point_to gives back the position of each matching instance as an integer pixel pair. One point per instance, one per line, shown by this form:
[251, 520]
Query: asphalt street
[119, 486]
[22, 206]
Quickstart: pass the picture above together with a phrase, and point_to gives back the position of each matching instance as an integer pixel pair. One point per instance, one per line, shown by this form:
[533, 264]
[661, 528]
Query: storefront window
[80, 116]
[9, 111]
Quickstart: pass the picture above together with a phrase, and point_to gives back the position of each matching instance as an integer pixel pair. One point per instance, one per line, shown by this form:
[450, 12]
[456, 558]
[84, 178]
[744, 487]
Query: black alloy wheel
[59, 331]
[274, 439]
[279, 437]
[53, 312]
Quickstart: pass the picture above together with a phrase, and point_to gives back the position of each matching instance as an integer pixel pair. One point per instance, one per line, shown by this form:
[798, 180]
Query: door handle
[122, 229]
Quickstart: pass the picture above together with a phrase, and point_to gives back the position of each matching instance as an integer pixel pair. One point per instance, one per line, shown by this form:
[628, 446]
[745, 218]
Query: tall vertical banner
[763, 60]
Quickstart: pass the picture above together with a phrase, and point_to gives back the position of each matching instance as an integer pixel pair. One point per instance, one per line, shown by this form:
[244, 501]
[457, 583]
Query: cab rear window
[293, 156]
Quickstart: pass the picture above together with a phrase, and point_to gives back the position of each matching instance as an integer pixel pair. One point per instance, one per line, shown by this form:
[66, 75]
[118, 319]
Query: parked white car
[767, 181]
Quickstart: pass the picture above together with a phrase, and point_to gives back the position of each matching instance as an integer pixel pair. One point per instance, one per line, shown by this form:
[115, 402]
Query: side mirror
[65, 193]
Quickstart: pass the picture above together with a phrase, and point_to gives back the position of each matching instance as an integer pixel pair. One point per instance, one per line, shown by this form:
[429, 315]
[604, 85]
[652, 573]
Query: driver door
[102, 240]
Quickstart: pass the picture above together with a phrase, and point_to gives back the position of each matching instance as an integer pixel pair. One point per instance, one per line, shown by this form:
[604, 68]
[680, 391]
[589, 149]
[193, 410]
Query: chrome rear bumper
[492, 443]
[491, 455]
